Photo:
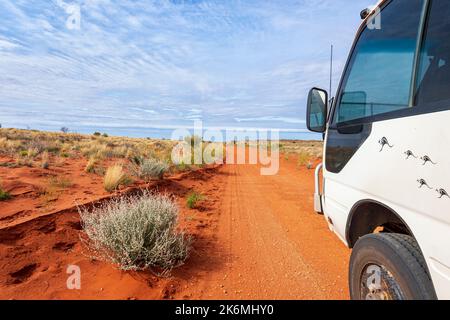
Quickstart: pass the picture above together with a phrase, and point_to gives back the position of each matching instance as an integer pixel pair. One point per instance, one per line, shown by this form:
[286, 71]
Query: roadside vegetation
[136, 233]
[148, 169]
[193, 199]
[29, 146]
[114, 177]
[3, 194]
[148, 158]
[313, 149]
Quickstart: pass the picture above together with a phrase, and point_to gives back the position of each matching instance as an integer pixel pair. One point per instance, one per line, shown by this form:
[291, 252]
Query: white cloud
[168, 62]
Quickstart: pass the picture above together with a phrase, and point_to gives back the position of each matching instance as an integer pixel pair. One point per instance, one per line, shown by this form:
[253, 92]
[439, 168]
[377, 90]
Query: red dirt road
[256, 237]
[276, 247]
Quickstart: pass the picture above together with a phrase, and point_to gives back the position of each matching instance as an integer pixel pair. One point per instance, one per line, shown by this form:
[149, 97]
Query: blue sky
[150, 65]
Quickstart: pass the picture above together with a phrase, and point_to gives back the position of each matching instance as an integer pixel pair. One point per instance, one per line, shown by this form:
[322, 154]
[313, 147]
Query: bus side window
[379, 75]
[433, 80]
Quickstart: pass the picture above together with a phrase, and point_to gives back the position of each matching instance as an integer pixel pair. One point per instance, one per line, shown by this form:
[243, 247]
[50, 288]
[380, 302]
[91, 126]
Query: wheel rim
[377, 283]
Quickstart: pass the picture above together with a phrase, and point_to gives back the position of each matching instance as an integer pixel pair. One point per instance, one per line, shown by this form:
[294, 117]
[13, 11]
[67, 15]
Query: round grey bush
[149, 169]
[136, 232]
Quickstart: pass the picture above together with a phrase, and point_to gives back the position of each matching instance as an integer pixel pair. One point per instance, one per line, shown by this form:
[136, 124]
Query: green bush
[193, 199]
[4, 195]
[23, 153]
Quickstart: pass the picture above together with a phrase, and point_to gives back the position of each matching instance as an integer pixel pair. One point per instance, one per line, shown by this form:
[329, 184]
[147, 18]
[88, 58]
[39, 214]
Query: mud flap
[317, 196]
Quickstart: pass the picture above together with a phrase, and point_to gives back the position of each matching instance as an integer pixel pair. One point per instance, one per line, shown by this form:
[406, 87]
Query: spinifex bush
[45, 162]
[148, 169]
[136, 233]
[303, 158]
[90, 166]
[114, 177]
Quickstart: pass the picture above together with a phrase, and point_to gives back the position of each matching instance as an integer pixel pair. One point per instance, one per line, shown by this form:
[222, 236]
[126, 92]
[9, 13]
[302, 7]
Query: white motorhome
[385, 184]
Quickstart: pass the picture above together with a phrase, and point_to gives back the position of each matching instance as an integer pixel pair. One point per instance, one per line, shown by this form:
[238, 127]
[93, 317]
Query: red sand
[256, 237]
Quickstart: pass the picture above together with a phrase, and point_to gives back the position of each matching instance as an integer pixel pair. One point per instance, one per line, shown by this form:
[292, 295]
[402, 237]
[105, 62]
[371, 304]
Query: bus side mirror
[316, 111]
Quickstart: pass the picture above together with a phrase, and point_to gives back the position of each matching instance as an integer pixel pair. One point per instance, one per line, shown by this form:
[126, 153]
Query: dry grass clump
[60, 182]
[3, 194]
[193, 199]
[32, 152]
[114, 177]
[90, 166]
[22, 159]
[303, 159]
[45, 162]
[148, 169]
[136, 233]
[53, 189]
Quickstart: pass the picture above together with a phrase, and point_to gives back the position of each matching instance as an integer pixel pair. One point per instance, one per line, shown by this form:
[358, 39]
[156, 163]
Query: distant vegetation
[142, 158]
[148, 169]
[39, 148]
[308, 149]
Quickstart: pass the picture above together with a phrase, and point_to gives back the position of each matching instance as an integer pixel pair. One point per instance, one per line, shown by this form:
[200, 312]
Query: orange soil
[256, 237]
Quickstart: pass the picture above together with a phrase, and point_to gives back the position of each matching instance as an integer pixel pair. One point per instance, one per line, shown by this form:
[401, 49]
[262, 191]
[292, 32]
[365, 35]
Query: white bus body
[386, 171]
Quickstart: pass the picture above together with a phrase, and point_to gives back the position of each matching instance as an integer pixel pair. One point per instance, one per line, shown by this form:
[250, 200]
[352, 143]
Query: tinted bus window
[433, 80]
[380, 71]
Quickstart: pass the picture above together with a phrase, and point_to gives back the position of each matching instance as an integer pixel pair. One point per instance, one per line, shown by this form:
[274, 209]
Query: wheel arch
[368, 215]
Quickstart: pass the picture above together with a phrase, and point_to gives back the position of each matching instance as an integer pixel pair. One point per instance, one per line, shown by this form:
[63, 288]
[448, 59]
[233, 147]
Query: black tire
[404, 273]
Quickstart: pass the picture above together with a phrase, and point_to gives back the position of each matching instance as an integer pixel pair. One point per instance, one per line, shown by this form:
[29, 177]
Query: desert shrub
[100, 171]
[4, 195]
[105, 152]
[114, 176]
[24, 160]
[148, 169]
[32, 152]
[23, 153]
[45, 162]
[53, 147]
[92, 149]
[136, 233]
[303, 158]
[193, 140]
[130, 154]
[60, 182]
[90, 166]
[193, 199]
[121, 152]
[97, 134]
[183, 167]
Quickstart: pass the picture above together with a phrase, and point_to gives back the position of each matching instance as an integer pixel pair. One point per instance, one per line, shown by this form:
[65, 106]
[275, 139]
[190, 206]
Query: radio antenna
[331, 70]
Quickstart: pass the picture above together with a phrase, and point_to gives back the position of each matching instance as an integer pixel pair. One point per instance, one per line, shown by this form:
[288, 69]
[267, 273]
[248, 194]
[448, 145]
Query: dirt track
[276, 246]
[257, 237]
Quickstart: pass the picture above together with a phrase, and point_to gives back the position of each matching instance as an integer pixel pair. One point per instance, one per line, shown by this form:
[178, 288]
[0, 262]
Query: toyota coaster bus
[385, 185]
